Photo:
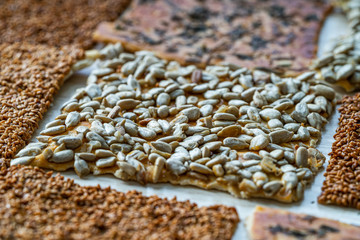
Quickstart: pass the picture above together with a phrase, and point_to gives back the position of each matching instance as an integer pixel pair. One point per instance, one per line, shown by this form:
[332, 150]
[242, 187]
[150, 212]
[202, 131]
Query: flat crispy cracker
[55, 22]
[35, 205]
[30, 75]
[132, 123]
[271, 224]
[341, 185]
[279, 36]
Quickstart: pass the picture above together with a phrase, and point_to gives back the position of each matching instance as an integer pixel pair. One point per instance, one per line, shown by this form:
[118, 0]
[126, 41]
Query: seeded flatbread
[249, 133]
[340, 66]
[342, 185]
[277, 35]
[30, 75]
[35, 205]
[55, 22]
[276, 224]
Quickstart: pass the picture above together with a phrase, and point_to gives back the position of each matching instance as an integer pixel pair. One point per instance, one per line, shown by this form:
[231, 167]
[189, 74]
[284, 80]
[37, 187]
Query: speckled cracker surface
[271, 224]
[30, 75]
[252, 134]
[279, 36]
[35, 205]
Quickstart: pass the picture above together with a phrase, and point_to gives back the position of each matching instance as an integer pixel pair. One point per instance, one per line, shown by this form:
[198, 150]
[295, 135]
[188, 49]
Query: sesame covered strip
[54, 22]
[35, 205]
[342, 176]
[30, 75]
[250, 133]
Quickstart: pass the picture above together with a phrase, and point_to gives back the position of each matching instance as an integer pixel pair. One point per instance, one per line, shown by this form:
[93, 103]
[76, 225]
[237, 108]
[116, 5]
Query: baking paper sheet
[334, 26]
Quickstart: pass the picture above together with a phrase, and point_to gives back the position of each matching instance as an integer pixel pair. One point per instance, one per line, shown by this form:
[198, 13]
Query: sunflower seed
[345, 71]
[92, 136]
[200, 168]
[55, 123]
[159, 164]
[248, 185]
[81, 167]
[305, 76]
[304, 134]
[175, 166]
[192, 113]
[71, 142]
[260, 178]
[324, 60]
[218, 170]
[235, 143]
[315, 120]
[213, 146]
[28, 151]
[53, 130]
[92, 104]
[93, 90]
[47, 153]
[127, 104]
[268, 114]
[230, 131]
[281, 136]
[272, 187]
[290, 180]
[301, 157]
[250, 155]
[106, 162]
[277, 154]
[206, 110]
[62, 156]
[259, 142]
[146, 133]
[253, 114]
[162, 146]
[275, 123]
[102, 71]
[86, 156]
[259, 100]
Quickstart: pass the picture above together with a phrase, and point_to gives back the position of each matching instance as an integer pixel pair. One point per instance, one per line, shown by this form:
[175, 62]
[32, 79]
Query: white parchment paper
[334, 26]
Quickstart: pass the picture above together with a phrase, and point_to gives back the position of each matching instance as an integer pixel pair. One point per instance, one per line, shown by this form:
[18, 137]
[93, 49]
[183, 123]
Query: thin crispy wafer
[29, 77]
[276, 35]
[55, 22]
[34, 205]
[252, 134]
[342, 176]
[276, 224]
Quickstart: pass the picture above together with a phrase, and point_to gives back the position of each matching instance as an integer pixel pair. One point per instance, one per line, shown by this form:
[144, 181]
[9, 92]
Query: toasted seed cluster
[342, 176]
[342, 64]
[141, 118]
[29, 77]
[55, 22]
[34, 205]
